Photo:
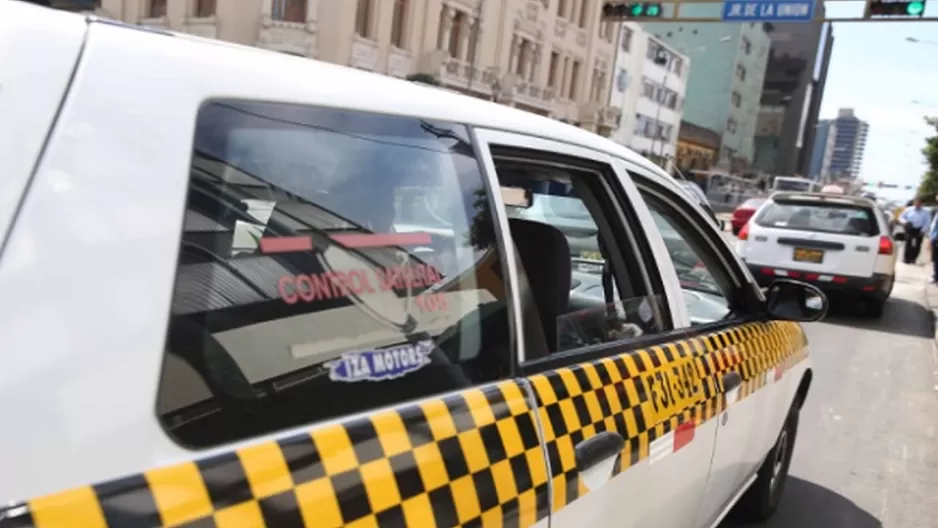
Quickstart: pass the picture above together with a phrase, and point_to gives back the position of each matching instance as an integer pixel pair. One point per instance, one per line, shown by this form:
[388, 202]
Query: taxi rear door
[619, 412]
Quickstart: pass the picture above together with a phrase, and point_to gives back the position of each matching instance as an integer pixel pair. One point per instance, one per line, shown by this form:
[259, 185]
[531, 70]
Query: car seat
[545, 256]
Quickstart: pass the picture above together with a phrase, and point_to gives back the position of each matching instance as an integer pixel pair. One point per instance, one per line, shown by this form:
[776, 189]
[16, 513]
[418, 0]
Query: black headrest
[545, 256]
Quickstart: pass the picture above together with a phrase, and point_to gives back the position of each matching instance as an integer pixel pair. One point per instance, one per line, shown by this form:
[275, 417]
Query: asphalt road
[867, 447]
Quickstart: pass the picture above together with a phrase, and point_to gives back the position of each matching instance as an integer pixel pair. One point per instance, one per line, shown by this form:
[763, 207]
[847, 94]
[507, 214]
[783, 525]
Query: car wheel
[762, 498]
[874, 308]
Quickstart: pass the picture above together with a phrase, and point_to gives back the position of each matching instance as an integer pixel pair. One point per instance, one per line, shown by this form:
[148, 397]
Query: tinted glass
[826, 218]
[331, 262]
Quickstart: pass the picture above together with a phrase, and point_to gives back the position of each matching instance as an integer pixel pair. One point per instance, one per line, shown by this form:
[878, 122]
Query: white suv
[839, 243]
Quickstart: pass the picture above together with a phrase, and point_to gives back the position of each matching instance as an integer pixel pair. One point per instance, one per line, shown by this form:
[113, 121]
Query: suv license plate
[808, 255]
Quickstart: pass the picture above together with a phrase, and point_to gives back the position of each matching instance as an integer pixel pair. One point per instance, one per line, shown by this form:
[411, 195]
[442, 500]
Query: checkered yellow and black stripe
[614, 394]
[468, 459]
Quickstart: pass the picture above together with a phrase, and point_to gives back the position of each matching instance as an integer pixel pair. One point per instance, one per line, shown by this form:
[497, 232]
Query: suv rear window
[331, 262]
[837, 218]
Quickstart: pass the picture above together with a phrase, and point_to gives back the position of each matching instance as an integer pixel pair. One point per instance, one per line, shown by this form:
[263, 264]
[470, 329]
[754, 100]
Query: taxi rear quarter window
[331, 262]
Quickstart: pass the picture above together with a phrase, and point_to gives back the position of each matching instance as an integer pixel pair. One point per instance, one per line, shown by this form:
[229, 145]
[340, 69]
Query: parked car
[744, 212]
[841, 244]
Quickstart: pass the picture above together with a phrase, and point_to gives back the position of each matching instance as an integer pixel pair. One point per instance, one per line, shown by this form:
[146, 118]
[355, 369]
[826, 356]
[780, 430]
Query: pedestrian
[915, 219]
[933, 242]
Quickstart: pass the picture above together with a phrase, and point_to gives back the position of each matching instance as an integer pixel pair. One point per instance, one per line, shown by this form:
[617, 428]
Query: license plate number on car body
[808, 255]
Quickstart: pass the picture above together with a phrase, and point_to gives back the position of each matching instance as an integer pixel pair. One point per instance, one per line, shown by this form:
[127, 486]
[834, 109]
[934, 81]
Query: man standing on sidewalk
[915, 219]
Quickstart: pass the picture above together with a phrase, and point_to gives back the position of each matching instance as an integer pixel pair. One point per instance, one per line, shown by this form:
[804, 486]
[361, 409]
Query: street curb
[932, 307]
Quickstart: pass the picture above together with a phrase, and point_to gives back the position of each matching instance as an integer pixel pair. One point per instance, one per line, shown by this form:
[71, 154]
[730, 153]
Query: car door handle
[597, 448]
[731, 380]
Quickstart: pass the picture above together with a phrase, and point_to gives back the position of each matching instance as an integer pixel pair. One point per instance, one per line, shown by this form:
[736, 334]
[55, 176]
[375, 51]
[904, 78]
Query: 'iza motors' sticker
[380, 365]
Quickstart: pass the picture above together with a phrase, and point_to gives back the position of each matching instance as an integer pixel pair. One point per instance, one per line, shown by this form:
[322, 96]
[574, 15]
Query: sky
[890, 83]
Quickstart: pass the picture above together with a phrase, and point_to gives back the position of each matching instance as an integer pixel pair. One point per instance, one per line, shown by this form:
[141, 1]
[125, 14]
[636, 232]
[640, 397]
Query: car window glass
[562, 245]
[706, 288]
[331, 262]
[827, 218]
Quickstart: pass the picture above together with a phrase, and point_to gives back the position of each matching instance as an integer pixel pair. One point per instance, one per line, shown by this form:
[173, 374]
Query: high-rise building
[791, 96]
[724, 88]
[552, 58]
[820, 151]
[649, 85]
[843, 144]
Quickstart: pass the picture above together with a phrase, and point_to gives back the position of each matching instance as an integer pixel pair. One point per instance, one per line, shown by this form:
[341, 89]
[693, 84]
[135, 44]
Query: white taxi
[242, 288]
[839, 243]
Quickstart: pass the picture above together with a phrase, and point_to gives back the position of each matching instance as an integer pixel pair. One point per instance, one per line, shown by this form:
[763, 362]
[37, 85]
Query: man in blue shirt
[933, 238]
[915, 219]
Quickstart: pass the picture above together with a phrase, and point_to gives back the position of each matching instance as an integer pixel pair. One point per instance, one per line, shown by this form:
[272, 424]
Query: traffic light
[885, 8]
[628, 10]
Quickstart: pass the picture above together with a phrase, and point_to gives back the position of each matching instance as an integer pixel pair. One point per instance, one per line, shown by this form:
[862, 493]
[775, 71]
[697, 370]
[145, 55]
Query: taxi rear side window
[331, 262]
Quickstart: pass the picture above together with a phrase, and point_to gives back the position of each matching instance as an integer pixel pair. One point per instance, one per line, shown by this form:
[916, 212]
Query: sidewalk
[931, 290]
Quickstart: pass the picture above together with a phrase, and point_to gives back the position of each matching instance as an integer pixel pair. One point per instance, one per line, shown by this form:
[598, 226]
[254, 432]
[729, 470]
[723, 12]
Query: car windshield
[826, 218]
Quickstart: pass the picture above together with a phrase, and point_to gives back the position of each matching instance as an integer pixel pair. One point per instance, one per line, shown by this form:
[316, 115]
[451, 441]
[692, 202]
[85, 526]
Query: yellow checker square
[243, 515]
[179, 493]
[527, 508]
[511, 436]
[378, 478]
[474, 450]
[544, 421]
[417, 510]
[265, 469]
[566, 452]
[559, 489]
[631, 366]
[479, 407]
[568, 412]
[466, 498]
[544, 390]
[76, 507]
[430, 464]
[505, 486]
[392, 433]
[335, 449]
[439, 419]
[536, 465]
[493, 518]
[318, 504]
[592, 406]
[568, 378]
[517, 401]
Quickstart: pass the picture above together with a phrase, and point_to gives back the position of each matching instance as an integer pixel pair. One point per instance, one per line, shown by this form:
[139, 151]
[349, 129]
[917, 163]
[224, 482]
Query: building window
[741, 72]
[599, 83]
[584, 12]
[747, 45]
[731, 125]
[561, 8]
[677, 66]
[622, 80]
[363, 19]
[736, 99]
[648, 88]
[552, 71]
[626, 39]
[157, 9]
[289, 10]
[202, 8]
[398, 22]
[574, 79]
[456, 33]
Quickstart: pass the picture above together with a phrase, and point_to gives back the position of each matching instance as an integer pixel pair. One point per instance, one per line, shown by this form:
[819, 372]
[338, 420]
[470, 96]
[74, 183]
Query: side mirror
[793, 300]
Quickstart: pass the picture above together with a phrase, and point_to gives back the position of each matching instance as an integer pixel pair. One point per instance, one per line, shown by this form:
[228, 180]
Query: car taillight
[744, 232]
[885, 245]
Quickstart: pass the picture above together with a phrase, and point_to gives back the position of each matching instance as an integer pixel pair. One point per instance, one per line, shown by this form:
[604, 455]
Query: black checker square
[364, 439]
[494, 445]
[407, 475]
[444, 507]
[127, 501]
[460, 413]
[302, 458]
[527, 431]
[281, 510]
[453, 458]
[351, 494]
[225, 480]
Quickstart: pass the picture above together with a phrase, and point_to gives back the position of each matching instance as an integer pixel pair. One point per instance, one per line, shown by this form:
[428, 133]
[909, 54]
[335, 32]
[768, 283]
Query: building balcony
[206, 27]
[154, 22]
[400, 62]
[364, 54]
[296, 38]
[459, 74]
